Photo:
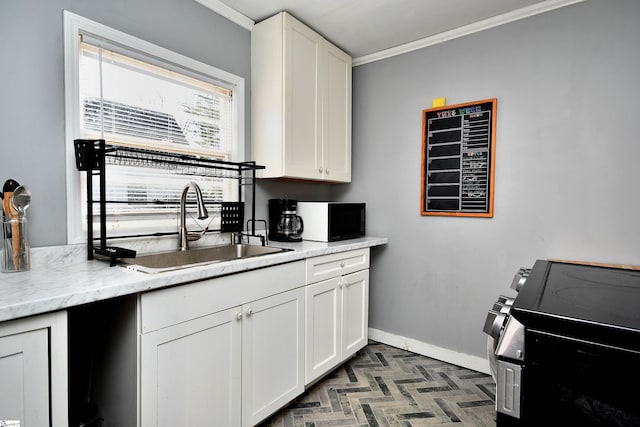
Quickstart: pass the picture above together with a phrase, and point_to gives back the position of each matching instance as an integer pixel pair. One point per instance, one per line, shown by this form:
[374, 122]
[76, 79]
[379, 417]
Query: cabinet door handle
[342, 264]
[320, 170]
[340, 282]
[326, 171]
[239, 315]
[248, 311]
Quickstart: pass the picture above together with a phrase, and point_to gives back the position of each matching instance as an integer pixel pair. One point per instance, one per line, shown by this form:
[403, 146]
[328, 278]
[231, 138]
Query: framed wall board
[458, 159]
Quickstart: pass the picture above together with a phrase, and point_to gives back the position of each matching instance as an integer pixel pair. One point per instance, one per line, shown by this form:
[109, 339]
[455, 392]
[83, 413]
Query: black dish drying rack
[92, 156]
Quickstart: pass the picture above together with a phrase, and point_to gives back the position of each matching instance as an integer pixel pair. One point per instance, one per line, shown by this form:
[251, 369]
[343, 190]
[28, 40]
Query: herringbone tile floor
[386, 386]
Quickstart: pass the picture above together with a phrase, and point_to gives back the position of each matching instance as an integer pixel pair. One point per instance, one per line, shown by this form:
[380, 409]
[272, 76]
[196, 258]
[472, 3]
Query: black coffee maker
[284, 224]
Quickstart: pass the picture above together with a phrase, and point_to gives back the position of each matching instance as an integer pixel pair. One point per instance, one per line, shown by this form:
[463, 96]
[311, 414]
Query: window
[130, 92]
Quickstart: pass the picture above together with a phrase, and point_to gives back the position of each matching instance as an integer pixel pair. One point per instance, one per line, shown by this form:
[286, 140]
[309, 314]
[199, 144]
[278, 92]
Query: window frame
[74, 26]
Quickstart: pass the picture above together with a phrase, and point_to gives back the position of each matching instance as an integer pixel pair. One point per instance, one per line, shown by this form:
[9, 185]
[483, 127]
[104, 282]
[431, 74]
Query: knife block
[14, 253]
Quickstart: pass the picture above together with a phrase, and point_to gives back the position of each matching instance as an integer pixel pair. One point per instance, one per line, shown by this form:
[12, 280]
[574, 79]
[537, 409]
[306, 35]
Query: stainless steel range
[566, 349]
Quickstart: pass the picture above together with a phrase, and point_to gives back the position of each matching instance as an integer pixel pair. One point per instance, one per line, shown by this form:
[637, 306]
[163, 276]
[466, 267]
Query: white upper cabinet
[301, 102]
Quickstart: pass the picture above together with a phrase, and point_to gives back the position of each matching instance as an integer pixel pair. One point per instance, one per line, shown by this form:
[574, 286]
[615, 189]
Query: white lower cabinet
[337, 311]
[190, 373]
[203, 366]
[33, 371]
[323, 301]
[272, 354]
[228, 351]
[355, 312]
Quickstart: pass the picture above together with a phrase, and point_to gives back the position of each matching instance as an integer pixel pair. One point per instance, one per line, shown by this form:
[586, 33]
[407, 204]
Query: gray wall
[31, 71]
[567, 174]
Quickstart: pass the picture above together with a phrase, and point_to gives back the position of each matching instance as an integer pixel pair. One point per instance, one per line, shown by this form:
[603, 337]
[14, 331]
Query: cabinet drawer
[171, 306]
[328, 266]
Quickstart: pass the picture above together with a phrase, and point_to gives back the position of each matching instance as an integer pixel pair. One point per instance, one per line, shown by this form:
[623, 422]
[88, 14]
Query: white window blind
[133, 100]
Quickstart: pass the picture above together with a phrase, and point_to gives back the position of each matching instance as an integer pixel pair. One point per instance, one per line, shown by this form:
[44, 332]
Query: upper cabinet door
[336, 115]
[301, 102]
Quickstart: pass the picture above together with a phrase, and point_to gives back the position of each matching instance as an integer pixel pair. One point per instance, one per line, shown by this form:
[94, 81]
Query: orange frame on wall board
[458, 159]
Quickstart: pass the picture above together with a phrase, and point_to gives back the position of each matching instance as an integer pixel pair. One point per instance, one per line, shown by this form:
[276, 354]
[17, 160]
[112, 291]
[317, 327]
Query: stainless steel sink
[166, 261]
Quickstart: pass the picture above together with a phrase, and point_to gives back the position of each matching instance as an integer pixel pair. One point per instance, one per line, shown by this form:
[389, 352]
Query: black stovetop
[593, 303]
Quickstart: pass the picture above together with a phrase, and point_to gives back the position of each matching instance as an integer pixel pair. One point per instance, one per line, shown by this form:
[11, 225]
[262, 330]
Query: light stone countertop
[61, 276]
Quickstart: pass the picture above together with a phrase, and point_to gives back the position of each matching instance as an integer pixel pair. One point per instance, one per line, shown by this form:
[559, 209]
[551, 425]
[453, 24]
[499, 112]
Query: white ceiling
[372, 29]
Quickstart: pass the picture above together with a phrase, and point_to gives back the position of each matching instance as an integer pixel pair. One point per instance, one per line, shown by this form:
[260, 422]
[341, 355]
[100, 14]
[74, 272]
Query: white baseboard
[468, 361]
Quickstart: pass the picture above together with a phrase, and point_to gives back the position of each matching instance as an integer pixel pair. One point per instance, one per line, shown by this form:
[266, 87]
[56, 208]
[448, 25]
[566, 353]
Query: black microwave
[332, 221]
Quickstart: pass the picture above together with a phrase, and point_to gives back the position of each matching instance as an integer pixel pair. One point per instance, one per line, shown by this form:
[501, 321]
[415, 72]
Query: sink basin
[166, 261]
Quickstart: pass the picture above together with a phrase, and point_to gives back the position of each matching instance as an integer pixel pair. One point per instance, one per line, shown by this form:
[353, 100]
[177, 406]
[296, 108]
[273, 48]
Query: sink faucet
[183, 234]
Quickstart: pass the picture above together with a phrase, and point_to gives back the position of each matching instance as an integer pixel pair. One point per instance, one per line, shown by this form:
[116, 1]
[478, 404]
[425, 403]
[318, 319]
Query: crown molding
[231, 14]
[492, 22]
